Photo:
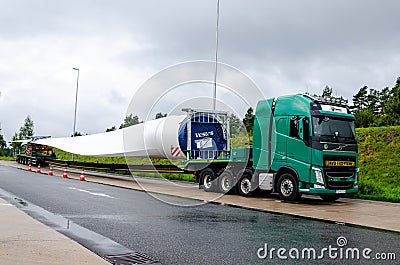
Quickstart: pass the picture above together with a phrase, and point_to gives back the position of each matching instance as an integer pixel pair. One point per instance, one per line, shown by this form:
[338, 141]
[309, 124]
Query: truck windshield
[334, 130]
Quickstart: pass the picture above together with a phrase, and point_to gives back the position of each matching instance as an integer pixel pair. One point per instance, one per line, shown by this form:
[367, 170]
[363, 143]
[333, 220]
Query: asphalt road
[207, 234]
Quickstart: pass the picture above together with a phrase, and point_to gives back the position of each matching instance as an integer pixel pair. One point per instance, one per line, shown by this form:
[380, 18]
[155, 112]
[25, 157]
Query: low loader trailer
[301, 144]
[35, 154]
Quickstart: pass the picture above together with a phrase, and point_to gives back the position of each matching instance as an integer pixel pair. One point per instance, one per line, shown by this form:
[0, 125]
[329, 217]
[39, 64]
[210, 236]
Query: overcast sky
[284, 46]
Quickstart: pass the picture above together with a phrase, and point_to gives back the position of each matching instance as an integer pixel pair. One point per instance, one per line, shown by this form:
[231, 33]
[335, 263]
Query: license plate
[340, 191]
[340, 163]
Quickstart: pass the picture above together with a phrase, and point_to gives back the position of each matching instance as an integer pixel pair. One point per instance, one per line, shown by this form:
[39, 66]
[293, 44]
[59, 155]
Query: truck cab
[308, 144]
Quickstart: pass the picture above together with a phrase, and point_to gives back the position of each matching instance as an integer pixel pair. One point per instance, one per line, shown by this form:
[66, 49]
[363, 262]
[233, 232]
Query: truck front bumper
[327, 191]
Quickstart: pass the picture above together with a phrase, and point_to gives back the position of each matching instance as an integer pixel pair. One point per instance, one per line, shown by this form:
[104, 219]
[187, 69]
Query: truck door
[282, 130]
[298, 152]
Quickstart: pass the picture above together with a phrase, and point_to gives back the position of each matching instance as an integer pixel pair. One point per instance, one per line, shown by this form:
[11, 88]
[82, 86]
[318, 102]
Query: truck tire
[207, 180]
[288, 187]
[330, 197]
[244, 184]
[226, 182]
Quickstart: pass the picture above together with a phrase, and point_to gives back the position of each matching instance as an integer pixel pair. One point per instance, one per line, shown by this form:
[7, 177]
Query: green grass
[379, 163]
[7, 158]
[241, 140]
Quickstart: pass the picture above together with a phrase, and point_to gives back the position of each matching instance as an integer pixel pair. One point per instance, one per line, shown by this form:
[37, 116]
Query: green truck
[302, 144]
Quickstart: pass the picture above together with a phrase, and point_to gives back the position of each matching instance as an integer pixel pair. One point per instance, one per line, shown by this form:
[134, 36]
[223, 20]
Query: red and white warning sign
[175, 151]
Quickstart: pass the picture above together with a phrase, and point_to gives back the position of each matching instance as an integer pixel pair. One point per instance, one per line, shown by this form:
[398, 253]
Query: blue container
[207, 138]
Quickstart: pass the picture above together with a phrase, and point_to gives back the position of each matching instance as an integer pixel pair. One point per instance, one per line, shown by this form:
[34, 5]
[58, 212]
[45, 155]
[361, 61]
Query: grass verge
[379, 163]
[7, 158]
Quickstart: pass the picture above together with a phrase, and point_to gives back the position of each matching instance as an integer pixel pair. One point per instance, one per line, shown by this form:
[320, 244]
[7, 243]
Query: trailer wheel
[244, 185]
[207, 180]
[226, 181]
[288, 187]
[330, 197]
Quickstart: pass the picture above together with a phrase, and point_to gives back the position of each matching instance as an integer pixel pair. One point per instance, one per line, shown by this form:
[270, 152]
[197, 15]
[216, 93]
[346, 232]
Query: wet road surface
[206, 234]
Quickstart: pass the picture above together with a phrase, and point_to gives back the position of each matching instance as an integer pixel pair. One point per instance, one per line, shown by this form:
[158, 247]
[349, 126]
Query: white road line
[92, 193]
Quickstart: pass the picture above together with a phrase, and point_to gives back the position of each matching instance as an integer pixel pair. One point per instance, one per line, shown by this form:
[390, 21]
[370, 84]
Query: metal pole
[216, 62]
[0, 122]
[76, 102]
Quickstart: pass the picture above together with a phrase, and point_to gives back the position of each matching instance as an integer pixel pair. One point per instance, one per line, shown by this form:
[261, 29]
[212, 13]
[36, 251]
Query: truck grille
[334, 185]
[337, 177]
[340, 174]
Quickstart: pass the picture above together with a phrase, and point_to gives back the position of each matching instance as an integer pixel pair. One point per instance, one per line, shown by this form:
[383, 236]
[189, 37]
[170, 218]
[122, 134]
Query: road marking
[92, 193]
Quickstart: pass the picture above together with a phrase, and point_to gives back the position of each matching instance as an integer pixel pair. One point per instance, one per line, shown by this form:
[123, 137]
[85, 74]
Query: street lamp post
[216, 61]
[76, 102]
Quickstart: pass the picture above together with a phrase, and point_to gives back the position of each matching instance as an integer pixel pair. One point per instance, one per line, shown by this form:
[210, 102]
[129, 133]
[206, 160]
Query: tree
[392, 107]
[384, 97]
[377, 108]
[360, 100]
[373, 101]
[248, 120]
[364, 118]
[235, 124]
[161, 115]
[111, 129]
[16, 146]
[129, 121]
[327, 92]
[3, 144]
[76, 134]
[26, 130]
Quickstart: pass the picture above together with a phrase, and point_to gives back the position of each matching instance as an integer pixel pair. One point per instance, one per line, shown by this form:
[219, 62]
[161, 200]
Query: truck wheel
[244, 184]
[226, 182]
[288, 187]
[330, 197]
[208, 180]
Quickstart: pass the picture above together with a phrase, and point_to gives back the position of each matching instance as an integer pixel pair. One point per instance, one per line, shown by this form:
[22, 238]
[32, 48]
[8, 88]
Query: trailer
[35, 154]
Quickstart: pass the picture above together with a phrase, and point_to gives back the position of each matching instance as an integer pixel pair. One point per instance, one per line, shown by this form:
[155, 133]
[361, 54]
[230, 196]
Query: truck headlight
[318, 175]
